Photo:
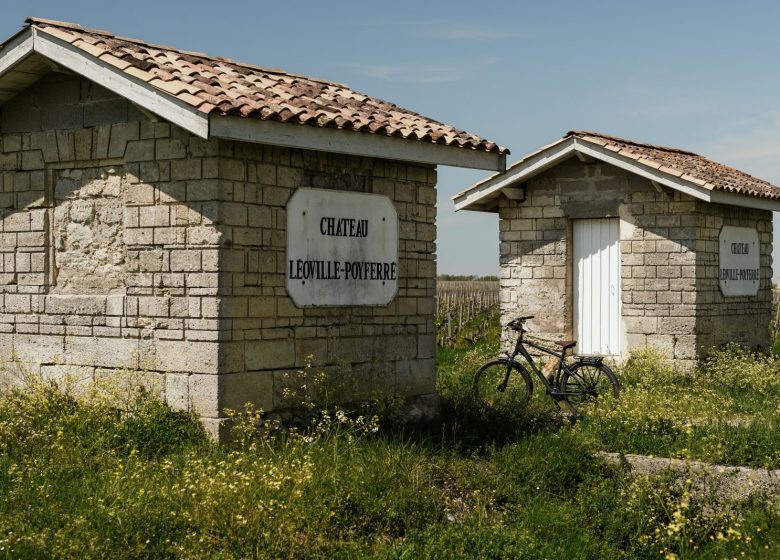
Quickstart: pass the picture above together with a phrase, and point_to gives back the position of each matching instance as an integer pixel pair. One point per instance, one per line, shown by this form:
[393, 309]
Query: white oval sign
[342, 248]
[740, 261]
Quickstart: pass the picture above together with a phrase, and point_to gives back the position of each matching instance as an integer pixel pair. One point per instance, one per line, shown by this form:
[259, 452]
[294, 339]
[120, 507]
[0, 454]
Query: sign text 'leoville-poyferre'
[342, 248]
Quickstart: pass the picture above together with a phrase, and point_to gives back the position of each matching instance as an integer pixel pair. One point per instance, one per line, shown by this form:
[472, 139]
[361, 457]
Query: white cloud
[424, 73]
[413, 73]
[451, 31]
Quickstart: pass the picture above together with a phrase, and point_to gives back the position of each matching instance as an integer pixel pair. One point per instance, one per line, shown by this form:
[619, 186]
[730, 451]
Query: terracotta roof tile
[687, 165]
[223, 86]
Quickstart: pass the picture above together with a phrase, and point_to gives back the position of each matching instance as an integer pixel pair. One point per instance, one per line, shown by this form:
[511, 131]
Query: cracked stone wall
[670, 295]
[90, 255]
[130, 243]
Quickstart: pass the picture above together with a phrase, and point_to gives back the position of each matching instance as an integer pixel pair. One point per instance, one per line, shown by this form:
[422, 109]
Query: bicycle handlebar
[517, 324]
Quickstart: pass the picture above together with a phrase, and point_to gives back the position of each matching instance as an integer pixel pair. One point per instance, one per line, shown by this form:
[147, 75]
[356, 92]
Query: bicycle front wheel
[589, 382]
[502, 385]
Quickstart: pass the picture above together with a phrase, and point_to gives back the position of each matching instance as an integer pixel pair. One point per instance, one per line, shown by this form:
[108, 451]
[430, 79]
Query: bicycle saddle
[566, 344]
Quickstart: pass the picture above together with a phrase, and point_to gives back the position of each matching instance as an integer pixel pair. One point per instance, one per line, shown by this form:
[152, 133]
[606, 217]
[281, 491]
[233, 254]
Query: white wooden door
[596, 262]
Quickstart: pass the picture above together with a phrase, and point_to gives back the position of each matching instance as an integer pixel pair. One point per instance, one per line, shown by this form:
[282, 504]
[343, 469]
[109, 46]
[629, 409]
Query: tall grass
[726, 410]
[81, 479]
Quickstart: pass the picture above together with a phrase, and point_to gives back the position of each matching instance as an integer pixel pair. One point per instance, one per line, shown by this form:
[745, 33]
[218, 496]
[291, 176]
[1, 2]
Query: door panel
[596, 262]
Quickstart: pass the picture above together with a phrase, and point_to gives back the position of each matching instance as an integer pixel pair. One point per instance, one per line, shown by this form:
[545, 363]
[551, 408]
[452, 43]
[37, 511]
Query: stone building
[145, 226]
[621, 244]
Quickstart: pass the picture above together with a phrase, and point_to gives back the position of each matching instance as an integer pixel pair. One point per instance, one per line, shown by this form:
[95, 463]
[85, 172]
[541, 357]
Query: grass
[81, 479]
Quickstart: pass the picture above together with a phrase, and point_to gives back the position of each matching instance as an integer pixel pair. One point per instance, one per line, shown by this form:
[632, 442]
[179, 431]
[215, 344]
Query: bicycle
[582, 380]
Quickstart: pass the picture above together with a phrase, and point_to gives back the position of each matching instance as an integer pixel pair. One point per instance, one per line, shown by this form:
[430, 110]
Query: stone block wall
[382, 350]
[129, 243]
[669, 254]
[743, 319]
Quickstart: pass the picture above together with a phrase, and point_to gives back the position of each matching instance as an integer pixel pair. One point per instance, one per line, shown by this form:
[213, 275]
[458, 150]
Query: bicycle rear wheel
[589, 382]
[493, 390]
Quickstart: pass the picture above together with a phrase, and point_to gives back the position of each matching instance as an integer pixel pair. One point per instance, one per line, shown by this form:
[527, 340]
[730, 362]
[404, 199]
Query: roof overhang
[352, 143]
[484, 196]
[29, 55]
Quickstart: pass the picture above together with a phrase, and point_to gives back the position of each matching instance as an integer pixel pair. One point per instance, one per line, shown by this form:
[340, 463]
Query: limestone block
[426, 346]
[185, 260]
[670, 297]
[641, 325]
[169, 236]
[685, 347]
[262, 306]
[154, 306]
[39, 349]
[75, 305]
[677, 325]
[635, 341]
[232, 169]
[74, 380]
[102, 352]
[177, 391]
[150, 261]
[187, 356]
[170, 149]
[121, 134]
[142, 150]
[154, 216]
[203, 235]
[663, 342]
[126, 382]
[415, 377]
[305, 347]
[269, 354]
[17, 303]
[204, 394]
[238, 389]
[186, 169]
[668, 271]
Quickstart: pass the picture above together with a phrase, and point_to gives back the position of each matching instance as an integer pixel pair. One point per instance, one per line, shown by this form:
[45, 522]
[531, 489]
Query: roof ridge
[632, 142]
[142, 42]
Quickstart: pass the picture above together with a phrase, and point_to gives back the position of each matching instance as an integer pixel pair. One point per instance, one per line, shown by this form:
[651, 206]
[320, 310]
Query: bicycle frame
[550, 388]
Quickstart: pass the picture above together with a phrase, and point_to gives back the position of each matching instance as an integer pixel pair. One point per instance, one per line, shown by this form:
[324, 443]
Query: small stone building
[620, 244]
[144, 222]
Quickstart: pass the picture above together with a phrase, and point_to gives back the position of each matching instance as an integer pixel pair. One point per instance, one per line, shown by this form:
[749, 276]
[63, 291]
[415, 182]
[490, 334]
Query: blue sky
[691, 74]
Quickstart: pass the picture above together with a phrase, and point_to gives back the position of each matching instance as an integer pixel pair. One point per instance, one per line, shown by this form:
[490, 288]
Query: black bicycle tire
[516, 368]
[590, 391]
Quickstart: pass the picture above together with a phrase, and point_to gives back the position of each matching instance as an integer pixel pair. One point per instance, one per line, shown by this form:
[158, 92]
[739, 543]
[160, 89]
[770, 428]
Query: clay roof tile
[683, 164]
[222, 85]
